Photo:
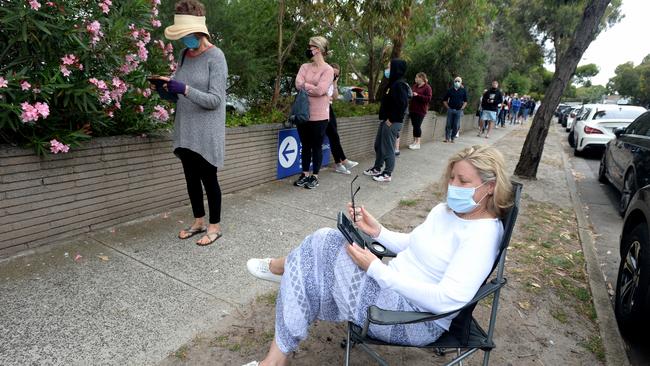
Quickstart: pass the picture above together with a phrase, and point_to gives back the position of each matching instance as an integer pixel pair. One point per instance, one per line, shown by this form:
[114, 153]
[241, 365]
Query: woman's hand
[362, 257]
[364, 221]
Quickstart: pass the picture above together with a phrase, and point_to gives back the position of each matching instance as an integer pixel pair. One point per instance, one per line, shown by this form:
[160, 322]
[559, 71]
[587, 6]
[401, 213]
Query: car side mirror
[618, 131]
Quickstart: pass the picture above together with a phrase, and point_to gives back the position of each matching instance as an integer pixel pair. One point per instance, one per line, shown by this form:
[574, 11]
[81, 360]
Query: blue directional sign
[289, 148]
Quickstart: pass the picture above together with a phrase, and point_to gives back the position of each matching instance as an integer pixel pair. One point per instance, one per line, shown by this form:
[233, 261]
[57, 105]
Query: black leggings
[335, 140]
[198, 170]
[311, 135]
[416, 121]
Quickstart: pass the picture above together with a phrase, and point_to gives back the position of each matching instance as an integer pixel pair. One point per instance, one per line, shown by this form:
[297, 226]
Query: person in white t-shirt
[439, 266]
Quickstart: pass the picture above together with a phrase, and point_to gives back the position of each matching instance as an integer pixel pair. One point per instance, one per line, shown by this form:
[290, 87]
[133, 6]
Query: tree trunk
[531, 152]
[280, 61]
[398, 45]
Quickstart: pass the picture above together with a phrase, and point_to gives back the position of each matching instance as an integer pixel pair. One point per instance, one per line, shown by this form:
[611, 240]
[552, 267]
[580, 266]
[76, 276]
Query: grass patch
[408, 203]
[549, 258]
[268, 298]
[182, 352]
[595, 346]
[560, 315]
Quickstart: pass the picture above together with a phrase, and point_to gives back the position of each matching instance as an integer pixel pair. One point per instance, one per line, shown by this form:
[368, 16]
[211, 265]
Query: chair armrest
[380, 316]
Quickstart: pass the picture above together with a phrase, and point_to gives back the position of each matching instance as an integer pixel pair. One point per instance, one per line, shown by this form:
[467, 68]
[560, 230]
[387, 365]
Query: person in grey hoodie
[393, 107]
[200, 120]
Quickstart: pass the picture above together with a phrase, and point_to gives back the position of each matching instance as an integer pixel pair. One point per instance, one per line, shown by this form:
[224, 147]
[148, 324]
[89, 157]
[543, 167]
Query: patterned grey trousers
[321, 282]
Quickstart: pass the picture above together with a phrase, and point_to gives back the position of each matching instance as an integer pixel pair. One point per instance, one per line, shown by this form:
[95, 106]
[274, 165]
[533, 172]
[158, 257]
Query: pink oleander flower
[36, 91]
[34, 4]
[3, 82]
[30, 113]
[104, 5]
[43, 109]
[70, 59]
[160, 113]
[154, 11]
[50, 3]
[57, 147]
[110, 114]
[94, 28]
[146, 93]
[155, 23]
[140, 109]
[156, 2]
[143, 54]
[65, 71]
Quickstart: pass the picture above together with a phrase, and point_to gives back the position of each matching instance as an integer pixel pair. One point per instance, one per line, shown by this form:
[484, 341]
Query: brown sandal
[212, 236]
[191, 231]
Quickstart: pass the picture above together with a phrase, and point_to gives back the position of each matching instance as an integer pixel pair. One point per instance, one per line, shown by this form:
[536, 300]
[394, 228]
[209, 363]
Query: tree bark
[398, 45]
[280, 62]
[531, 152]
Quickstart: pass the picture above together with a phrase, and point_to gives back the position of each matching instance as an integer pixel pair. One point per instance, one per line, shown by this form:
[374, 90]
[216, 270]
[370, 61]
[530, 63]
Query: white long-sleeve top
[442, 263]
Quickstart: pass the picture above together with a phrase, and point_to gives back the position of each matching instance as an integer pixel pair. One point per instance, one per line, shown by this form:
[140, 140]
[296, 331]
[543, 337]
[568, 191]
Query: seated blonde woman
[439, 266]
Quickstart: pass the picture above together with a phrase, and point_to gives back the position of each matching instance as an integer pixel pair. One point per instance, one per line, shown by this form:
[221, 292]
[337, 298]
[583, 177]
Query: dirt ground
[545, 315]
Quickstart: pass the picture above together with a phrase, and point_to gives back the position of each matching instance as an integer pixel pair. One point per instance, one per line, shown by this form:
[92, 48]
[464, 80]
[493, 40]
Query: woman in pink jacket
[315, 78]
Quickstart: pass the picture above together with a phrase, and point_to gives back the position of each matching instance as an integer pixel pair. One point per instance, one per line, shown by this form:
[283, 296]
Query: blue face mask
[461, 199]
[387, 73]
[191, 41]
[457, 84]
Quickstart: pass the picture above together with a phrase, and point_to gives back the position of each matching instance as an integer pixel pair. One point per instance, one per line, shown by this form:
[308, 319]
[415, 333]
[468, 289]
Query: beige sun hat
[184, 25]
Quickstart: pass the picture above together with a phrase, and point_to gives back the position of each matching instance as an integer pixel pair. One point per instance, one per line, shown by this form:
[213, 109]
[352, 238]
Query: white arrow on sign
[288, 151]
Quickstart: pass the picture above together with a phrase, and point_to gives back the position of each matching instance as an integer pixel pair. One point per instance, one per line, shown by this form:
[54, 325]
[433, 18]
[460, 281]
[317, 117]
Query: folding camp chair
[465, 334]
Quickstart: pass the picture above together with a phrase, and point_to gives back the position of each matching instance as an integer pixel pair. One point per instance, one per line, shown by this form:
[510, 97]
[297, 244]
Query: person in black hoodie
[490, 104]
[393, 107]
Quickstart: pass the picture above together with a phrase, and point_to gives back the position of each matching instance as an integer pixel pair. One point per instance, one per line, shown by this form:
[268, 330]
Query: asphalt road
[600, 201]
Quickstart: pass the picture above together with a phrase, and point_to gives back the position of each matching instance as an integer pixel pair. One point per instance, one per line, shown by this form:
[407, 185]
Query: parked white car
[596, 128]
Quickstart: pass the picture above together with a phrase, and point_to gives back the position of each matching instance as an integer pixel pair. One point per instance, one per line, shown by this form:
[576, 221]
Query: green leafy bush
[72, 68]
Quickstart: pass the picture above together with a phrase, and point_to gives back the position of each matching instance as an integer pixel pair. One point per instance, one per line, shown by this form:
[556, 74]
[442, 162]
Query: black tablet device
[352, 234]
[348, 230]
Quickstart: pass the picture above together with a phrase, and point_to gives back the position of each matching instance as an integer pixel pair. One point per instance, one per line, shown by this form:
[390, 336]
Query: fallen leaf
[535, 285]
[77, 257]
[103, 257]
[524, 305]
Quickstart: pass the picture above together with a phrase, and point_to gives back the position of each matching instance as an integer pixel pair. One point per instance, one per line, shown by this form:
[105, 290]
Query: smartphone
[164, 94]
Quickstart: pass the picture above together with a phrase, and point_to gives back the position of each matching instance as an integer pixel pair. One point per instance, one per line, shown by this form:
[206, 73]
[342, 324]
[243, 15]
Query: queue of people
[199, 82]
[439, 265]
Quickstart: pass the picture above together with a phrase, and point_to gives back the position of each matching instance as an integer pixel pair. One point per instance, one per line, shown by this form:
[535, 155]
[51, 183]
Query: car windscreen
[621, 113]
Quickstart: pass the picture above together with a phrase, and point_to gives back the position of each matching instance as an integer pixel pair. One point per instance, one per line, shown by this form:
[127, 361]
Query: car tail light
[591, 130]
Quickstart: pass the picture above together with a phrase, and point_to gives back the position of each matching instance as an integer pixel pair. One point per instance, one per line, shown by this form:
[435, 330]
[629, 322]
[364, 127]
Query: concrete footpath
[133, 294]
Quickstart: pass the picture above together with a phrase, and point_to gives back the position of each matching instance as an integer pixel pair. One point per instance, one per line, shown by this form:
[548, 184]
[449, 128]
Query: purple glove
[177, 87]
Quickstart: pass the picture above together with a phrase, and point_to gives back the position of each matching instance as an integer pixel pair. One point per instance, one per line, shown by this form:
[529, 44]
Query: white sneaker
[260, 268]
[414, 146]
[340, 168]
[382, 178]
[349, 164]
[252, 363]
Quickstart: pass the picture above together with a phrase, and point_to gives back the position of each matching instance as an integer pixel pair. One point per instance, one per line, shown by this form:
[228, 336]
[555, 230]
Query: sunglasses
[353, 193]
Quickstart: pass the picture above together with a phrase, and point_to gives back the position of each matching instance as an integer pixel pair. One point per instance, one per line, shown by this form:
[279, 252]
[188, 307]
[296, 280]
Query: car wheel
[576, 152]
[632, 282]
[570, 139]
[628, 191]
[602, 170]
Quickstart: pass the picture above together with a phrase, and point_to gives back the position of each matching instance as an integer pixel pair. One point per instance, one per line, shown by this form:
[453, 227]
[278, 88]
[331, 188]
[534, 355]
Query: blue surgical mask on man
[191, 41]
[387, 73]
[461, 199]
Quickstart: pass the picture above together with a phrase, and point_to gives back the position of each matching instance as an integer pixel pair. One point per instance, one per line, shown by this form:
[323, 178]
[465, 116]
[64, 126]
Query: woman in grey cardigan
[200, 122]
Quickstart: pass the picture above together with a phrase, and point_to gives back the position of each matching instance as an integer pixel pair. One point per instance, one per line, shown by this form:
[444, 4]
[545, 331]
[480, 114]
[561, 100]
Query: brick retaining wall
[117, 179]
